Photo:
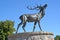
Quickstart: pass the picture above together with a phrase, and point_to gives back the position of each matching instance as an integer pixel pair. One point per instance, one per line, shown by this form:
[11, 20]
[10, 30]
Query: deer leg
[39, 26]
[18, 26]
[34, 26]
[24, 24]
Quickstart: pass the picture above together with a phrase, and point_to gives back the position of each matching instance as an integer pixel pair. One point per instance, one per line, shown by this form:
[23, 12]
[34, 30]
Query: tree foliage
[6, 28]
[57, 37]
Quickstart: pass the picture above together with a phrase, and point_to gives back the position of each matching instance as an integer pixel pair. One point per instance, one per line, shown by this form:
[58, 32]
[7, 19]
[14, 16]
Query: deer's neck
[41, 14]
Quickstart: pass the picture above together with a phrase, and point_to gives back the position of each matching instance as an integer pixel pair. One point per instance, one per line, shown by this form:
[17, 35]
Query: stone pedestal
[32, 36]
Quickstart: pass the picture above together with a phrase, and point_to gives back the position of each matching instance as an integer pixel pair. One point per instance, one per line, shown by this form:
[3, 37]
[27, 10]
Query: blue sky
[12, 9]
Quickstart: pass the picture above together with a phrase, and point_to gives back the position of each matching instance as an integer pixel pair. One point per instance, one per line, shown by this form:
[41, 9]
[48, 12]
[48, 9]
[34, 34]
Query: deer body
[32, 18]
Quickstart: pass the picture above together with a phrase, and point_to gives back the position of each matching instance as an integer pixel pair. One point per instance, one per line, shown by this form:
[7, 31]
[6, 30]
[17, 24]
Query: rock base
[32, 36]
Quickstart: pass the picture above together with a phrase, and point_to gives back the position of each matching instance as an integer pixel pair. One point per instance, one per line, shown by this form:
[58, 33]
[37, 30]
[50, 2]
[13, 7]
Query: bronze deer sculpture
[32, 17]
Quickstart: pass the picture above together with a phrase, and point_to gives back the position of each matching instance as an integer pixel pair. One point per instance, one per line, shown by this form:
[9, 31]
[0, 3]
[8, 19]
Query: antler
[29, 8]
[32, 8]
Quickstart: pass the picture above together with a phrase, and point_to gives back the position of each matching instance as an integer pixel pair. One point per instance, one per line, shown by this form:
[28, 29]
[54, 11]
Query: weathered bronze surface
[32, 17]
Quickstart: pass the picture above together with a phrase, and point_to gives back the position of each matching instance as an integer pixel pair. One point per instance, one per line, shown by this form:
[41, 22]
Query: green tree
[57, 37]
[6, 28]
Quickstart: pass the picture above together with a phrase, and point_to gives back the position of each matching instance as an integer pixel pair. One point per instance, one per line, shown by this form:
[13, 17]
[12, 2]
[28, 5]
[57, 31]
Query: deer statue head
[39, 7]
